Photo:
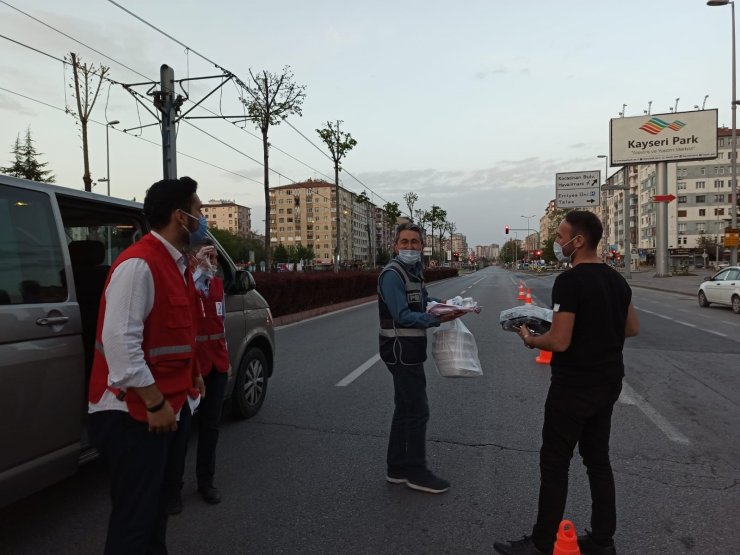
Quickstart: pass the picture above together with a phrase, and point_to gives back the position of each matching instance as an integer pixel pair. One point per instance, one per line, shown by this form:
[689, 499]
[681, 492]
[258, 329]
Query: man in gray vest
[402, 300]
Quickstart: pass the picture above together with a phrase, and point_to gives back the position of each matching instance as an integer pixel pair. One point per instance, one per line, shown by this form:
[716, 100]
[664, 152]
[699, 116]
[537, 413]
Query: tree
[392, 212]
[272, 98]
[280, 254]
[436, 218]
[410, 199]
[25, 162]
[85, 92]
[709, 244]
[339, 144]
[510, 251]
[364, 200]
[234, 245]
[447, 227]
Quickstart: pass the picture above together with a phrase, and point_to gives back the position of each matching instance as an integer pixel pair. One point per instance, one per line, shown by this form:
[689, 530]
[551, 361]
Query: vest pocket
[179, 314]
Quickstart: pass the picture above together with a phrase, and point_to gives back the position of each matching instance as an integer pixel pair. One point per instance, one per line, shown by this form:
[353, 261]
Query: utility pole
[336, 188]
[168, 104]
[661, 243]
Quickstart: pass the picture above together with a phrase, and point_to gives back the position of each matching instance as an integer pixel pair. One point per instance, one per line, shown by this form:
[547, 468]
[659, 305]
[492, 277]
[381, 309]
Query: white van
[56, 247]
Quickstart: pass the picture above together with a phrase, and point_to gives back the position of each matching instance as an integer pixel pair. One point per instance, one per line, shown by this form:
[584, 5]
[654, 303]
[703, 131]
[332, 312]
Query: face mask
[201, 233]
[409, 257]
[558, 250]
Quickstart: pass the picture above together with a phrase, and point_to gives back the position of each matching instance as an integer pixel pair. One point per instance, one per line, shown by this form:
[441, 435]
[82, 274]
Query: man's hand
[200, 385]
[450, 316]
[163, 420]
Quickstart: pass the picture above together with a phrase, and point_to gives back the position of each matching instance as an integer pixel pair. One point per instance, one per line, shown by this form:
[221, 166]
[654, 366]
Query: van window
[32, 269]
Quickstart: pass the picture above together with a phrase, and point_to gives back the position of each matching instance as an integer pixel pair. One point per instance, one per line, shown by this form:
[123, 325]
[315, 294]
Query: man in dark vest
[402, 300]
[145, 365]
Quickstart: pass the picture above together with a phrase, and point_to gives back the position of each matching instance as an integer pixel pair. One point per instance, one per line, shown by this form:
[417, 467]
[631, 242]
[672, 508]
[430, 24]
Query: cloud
[12, 105]
[501, 70]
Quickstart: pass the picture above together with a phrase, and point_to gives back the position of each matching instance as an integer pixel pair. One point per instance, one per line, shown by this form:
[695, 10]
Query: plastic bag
[536, 318]
[455, 352]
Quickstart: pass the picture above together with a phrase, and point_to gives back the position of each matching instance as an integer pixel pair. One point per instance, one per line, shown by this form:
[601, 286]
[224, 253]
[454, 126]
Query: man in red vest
[213, 361]
[145, 365]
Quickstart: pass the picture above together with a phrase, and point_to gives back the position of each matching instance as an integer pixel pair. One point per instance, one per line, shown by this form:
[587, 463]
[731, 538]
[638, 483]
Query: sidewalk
[687, 285]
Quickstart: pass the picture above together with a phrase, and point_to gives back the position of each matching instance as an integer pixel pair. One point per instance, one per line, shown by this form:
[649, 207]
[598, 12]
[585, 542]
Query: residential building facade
[229, 216]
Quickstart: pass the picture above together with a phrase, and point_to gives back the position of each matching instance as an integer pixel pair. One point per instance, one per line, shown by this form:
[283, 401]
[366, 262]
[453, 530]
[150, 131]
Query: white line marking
[686, 323]
[716, 333]
[630, 397]
[357, 372]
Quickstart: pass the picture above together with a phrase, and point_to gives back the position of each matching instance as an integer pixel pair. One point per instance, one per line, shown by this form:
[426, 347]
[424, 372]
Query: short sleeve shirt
[599, 297]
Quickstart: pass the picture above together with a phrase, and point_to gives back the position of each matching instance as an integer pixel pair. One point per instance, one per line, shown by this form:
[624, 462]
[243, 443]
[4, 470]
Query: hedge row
[291, 292]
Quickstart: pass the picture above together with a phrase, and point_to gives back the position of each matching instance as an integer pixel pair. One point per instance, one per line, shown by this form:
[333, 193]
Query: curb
[661, 289]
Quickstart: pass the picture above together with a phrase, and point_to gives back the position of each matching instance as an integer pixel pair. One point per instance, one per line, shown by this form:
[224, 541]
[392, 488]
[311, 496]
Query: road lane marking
[630, 397]
[357, 372]
[687, 324]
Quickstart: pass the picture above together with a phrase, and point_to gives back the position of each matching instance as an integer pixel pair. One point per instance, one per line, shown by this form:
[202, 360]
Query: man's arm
[632, 326]
[557, 339]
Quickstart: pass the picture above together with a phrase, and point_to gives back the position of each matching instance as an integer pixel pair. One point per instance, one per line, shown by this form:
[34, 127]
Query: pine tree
[25, 162]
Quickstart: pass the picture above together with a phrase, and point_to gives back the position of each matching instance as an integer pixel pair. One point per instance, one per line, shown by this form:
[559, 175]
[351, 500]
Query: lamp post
[733, 188]
[526, 239]
[107, 151]
[606, 175]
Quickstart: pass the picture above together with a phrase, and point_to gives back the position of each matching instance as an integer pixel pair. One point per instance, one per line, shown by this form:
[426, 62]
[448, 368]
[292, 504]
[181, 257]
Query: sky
[472, 105]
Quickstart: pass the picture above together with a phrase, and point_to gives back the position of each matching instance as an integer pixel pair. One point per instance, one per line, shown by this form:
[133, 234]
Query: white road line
[716, 333]
[357, 372]
[630, 397]
[686, 323]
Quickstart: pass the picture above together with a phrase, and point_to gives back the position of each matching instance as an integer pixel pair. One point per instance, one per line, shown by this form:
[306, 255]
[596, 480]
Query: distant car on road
[723, 288]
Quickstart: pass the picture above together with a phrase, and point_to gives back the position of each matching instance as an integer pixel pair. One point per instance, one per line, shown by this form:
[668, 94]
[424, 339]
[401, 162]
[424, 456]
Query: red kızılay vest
[211, 339]
[169, 331]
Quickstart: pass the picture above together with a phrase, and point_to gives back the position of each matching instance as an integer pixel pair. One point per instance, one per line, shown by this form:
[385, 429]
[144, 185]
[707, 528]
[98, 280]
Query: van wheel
[703, 300]
[250, 385]
[736, 304]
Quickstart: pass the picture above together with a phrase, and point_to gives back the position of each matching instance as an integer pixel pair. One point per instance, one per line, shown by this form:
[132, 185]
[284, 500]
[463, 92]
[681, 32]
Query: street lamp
[606, 175]
[107, 151]
[526, 240]
[733, 188]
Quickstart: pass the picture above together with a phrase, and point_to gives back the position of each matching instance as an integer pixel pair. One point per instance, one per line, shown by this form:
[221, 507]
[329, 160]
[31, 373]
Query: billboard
[663, 138]
[577, 189]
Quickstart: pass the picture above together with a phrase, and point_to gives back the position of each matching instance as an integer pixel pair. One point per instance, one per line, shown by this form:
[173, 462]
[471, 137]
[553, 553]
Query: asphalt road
[306, 475]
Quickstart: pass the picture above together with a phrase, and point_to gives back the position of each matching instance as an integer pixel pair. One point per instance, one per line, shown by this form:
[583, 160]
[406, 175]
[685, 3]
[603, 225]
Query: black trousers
[407, 441]
[209, 418]
[136, 459]
[576, 416]
[206, 420]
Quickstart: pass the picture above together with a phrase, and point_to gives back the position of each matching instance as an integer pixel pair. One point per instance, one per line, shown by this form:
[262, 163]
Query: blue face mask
[201, 233]
[409, 257]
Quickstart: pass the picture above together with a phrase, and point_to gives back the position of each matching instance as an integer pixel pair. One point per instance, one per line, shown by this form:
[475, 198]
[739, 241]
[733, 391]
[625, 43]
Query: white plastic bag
[455, 352]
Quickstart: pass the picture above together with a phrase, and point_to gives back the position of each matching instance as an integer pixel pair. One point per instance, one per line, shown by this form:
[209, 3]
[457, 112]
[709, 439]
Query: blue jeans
[576, 416]
[407, 441]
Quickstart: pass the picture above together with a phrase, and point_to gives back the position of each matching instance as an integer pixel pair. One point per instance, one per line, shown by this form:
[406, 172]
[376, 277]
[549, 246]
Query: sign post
[577, 189]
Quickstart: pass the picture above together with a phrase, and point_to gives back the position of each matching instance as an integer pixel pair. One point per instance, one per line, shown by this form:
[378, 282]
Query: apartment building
[305, 213]
[229, 216]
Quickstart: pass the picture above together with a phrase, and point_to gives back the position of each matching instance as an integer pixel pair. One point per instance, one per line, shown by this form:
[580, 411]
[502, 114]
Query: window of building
[281, 220]
[721, 142]
[702, 171]
[718, 184]
[719, 198]
[700, 184]
[681, 186]
[681, 199]
[719, 211]
[701, 198]
[702, 211]
[682, 213]
[722, 169]
[700, 228]
[682, 228]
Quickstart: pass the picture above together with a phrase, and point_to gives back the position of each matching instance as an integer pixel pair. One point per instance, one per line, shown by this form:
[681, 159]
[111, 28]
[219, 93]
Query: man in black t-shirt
[592, 315]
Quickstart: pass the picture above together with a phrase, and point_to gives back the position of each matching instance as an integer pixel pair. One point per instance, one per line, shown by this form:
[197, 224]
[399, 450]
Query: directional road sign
[577, 189]
[663, 198]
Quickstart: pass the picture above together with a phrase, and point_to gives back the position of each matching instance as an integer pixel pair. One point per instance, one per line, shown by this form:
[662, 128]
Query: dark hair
[409, 226]
[586, 224]
[166, 196]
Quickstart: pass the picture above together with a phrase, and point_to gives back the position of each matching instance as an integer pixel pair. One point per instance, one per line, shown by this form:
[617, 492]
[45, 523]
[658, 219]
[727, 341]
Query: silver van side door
[42, 367]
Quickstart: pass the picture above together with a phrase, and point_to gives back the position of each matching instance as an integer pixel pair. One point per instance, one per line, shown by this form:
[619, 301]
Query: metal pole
[627, 239]
[169, 115]
[661, 242]
[107, 156]
[336, 188]
[733, 204]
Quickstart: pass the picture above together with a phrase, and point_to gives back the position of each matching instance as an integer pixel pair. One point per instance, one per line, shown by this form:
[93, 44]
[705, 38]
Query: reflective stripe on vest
[169, 350]
[213, 337]
[402, 332]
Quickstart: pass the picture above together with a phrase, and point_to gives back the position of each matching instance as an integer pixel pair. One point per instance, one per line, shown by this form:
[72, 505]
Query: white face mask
[558, 250]
[409, 257]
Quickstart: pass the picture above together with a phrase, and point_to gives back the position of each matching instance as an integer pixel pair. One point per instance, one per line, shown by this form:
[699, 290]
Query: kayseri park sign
[663, 138]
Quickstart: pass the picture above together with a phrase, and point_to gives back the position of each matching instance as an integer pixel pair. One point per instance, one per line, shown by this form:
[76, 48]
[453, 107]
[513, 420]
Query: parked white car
[723, 288]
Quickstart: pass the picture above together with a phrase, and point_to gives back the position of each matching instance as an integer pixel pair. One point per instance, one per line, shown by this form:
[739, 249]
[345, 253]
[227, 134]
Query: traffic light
[506, 229]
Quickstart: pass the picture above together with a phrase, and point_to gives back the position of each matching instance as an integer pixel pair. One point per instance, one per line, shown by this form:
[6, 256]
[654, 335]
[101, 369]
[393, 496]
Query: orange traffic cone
[521, 292]
[528, 298]
[566, 542]
[544, 357]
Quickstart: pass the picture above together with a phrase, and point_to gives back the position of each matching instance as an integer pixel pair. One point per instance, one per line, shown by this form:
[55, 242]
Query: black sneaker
[525, 546]
[210, 494]
[174, 504]
[428, 482]
[588, 546]
[395, 477]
